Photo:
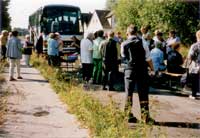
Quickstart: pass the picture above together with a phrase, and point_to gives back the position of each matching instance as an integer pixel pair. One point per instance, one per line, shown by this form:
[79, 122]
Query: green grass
[3, 94]
[102, 121]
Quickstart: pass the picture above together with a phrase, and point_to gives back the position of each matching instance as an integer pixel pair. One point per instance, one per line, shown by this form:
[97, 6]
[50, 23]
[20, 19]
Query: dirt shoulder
[34, 110]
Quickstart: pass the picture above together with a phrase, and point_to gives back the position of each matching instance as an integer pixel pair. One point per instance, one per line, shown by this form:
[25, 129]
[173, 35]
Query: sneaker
[192, 97]
[12, 79]
[132, 119]
[104, 88]
[19, 77]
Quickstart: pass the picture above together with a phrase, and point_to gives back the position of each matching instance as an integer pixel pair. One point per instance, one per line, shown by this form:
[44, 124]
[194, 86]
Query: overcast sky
[20, 9]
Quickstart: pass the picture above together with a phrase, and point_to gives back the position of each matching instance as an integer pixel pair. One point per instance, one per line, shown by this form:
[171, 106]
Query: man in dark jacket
[135, 72]
[110, 61]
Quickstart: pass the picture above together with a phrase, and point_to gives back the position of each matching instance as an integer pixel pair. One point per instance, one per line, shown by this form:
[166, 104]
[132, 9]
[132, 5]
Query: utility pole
[1, 15]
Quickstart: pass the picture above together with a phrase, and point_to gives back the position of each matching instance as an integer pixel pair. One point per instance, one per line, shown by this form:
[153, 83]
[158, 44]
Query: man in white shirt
[86, 56]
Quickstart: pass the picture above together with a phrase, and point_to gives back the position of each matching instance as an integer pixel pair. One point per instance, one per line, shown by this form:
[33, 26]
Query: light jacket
[14, 48]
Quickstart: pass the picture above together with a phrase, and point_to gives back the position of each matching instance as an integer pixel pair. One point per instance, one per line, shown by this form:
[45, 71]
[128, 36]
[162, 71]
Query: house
[100, 20]
[86, 17]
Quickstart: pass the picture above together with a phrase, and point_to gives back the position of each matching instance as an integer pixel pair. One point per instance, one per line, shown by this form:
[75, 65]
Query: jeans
[131, 78]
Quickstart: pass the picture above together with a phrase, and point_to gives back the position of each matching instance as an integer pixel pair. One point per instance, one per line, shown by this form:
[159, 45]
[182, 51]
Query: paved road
[176, 115]
[35, 111]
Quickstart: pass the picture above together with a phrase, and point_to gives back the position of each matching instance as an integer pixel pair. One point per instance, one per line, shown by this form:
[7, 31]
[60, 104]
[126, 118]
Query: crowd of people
[101, 55]
[143, 56]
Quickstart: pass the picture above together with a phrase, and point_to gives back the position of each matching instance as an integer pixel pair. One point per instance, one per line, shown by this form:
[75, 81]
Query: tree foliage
[5, 15]
[110, 4]
[164, 15]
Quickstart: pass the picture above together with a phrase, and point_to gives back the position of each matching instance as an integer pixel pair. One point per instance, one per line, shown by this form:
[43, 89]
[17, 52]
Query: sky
[21, 9]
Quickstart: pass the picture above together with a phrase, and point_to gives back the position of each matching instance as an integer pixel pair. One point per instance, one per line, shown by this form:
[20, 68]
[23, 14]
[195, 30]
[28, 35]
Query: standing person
[194, 68]
[135, 72]
[110, 61]
[39, 45]
[86, 56]
[3, 41]
[14, 54]
[53, 50]
[60, 44]
[28, 45]
[97, 58]
[75, 43]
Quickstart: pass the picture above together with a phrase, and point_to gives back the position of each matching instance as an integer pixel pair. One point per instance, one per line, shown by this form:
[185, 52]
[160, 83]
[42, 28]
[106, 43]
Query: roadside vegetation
[159, 14]
[102, 121]
[3, 93]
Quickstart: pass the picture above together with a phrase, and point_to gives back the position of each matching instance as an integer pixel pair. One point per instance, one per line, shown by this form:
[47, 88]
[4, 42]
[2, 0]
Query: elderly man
[14, 54]
[86, 56]
[135, 72]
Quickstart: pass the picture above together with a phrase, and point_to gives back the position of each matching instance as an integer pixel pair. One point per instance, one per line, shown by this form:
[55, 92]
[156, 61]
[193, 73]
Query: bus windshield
[60, 19]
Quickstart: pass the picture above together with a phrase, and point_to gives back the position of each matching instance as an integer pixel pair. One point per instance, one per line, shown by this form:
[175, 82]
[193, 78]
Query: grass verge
[3, 93]
[102, 121]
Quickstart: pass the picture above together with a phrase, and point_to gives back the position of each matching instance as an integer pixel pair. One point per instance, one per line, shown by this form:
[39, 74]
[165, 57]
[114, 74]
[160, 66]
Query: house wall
[94, 25]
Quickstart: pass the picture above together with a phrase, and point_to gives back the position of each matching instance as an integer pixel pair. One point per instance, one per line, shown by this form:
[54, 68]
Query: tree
[5, 15]
[165, 15]
[110, 4]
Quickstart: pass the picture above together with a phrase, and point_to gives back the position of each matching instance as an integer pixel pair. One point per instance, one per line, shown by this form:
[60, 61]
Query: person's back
[52, 47]
[96, 48]
[109, 51]
[157, 57]
[174, 62]
[86, 51]
[14, 48]
[135, 54]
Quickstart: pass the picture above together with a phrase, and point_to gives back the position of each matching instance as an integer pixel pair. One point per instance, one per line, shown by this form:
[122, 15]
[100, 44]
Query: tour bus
[64, 19]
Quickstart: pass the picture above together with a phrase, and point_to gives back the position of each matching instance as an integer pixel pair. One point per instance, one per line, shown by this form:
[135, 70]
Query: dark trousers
[109, 74]
[53, 60]
[131, 78]
[3, 51]
[87, 71]
[195, 79]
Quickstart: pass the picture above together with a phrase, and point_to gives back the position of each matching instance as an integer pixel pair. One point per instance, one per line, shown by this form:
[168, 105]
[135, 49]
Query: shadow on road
[34, 80]
[179, 124]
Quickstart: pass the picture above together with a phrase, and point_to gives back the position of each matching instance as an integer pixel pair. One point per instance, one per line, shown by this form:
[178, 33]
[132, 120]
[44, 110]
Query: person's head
[156, 32]
[119, 34]
[111, 34]
[131, 30]
[158, 44]
[144, 29]
[15, 33]
[27, 37]
[175, 46]
[172, 33]
[198, 35]
[4, 33]
[74, 38]
[147, 36]
[159, 35]
[90, 36]
[57, 35]
[100, 33]
[52, 35]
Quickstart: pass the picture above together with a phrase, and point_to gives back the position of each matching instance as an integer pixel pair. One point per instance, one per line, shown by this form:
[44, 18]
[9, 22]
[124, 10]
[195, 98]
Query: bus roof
[60, 5]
